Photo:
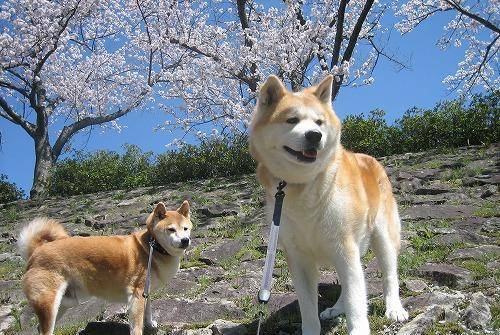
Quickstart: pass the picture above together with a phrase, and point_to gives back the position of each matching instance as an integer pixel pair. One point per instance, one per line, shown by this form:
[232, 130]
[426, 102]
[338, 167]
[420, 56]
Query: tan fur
[334, 204]
[41, 230]
[110, 267]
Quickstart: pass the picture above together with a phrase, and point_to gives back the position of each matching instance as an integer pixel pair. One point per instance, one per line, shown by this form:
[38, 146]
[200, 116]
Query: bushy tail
[38, 232]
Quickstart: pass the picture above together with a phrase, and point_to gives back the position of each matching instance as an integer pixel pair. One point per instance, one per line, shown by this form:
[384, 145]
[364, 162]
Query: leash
[265, 288]
[147, 284]
[153, 246]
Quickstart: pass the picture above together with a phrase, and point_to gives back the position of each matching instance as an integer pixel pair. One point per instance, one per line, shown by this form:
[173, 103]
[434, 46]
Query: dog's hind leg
[46, 303]
[337, 309]
[385, 244]
[305, 280]
[68, 300]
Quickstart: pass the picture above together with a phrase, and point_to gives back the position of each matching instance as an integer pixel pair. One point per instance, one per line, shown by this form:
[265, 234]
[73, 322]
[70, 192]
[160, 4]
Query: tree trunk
[43, 169]
[45, 159]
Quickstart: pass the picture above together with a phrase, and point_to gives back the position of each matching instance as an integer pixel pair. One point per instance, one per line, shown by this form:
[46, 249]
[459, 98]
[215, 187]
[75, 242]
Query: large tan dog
[62, 270]
[336, 203]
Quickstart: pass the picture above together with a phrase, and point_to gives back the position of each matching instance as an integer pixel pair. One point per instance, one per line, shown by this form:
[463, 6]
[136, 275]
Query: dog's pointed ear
[271, 92]
[324, 90]
[160, 210]
[184, 209]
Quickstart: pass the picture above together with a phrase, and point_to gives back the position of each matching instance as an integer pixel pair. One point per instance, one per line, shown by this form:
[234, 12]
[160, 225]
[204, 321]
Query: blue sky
[395, 92]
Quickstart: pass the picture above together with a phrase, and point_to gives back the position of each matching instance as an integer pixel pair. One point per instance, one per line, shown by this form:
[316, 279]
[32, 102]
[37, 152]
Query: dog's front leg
[136, 312]
[305, 280]
[348, 267]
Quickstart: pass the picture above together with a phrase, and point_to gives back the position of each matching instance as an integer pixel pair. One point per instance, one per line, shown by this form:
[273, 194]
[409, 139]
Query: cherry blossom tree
[76, 64]
[476, 25]
[234, 47]
[80, 63]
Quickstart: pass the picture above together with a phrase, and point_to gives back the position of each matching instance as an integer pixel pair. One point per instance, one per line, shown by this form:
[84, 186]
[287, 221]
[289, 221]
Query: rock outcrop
[449, 264]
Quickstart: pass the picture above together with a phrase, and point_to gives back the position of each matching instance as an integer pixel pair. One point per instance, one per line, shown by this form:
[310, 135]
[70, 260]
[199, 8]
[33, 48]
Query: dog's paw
[360, 331]
[332, 312]
[396, 313]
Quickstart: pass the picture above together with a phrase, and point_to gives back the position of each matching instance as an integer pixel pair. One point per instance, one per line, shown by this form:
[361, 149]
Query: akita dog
[336, 203]
[62, 270]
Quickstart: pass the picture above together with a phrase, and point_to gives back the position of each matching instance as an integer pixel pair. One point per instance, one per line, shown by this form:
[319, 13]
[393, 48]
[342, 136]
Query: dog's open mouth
[308, 155]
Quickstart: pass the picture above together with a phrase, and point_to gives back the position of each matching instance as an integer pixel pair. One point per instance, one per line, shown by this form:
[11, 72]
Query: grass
[119, 195]
[376, 316]
[425, 250]
[11, 214]
[251, 249]
[495, 313]
[10, 269]
[194, 258]
[251, 309]
[70, 329]
[478, 269]
[488, 209]
[203, 283]
[447, 328]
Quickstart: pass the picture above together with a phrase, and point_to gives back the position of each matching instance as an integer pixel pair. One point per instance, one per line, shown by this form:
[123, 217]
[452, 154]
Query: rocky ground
[449, 265]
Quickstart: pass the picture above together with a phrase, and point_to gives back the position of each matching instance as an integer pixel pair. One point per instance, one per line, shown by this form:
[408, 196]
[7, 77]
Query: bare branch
[352, 43]
[338, 33]
[381, 52]
[16, 118]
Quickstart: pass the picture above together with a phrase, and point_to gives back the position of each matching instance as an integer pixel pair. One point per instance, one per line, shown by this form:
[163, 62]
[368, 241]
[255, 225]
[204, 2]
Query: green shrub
[371, 135]
[224, 157]
[9, 191]
[449, 124]
[107, 170]
[102, 171]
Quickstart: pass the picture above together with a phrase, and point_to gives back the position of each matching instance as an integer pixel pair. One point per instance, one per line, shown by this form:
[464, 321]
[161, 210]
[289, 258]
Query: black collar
[157, 246]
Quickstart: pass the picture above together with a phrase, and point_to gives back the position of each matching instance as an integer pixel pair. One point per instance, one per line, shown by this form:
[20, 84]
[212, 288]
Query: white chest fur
[314, 222]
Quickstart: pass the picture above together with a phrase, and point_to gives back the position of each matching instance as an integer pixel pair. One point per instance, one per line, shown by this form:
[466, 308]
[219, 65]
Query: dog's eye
[319, 122]
[185, 228]
[172, 230]
[293, 120]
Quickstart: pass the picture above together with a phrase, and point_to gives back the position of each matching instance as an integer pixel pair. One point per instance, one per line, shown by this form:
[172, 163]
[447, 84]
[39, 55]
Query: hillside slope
[449, 266]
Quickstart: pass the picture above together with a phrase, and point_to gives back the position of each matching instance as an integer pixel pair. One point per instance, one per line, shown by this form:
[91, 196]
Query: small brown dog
[62, 269]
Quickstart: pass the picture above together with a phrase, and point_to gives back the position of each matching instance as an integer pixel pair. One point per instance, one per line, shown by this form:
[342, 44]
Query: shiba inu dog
[337, 202]
[62, 269]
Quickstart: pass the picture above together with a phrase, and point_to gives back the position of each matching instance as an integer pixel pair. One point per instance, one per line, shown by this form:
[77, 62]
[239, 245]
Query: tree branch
[10, 86]
[151, 51]
[252, 83]
[16, 118]
[64, 25]
[338, 33]
[473, 16]
[352, 43]
[68, 131]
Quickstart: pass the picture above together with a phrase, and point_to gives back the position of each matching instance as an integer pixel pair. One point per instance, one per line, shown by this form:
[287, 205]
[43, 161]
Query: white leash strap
[147, 285]
[265, 288]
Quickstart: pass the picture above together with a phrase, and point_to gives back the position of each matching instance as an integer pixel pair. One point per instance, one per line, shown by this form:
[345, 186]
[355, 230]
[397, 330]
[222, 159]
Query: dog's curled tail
[38, 232]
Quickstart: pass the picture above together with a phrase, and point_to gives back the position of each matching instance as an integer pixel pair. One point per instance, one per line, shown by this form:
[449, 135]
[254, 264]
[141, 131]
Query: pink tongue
[309, 153]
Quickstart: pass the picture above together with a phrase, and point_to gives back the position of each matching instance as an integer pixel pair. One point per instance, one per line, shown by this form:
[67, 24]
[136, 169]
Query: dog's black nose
[313, 136]
[184, 242]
